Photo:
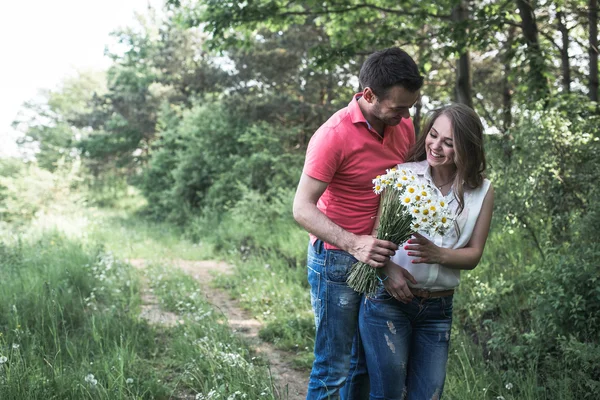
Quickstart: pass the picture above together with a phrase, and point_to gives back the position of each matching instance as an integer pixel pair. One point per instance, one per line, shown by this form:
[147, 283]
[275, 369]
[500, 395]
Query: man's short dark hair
[388, 68]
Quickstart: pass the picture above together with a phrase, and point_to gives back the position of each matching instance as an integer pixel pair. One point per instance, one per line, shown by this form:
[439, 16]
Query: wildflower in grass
[15, 346]
[129, 381]
[3, 359]
[210, 395]
[91, 380]
[407, 206]
[509, 385]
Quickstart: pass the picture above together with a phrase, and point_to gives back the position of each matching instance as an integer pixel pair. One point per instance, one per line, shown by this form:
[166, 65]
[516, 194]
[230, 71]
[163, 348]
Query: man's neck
[373, 122]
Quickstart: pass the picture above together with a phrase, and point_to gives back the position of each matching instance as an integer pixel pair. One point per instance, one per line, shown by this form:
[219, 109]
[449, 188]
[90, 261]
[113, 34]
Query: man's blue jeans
[336, 308]
[406, 345]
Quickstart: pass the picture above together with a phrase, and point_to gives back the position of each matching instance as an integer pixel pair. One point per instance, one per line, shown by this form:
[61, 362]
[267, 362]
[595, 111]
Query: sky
[42, 42]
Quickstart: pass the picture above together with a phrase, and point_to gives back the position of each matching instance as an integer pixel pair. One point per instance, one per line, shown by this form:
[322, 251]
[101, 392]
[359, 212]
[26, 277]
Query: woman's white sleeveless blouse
[435, 276]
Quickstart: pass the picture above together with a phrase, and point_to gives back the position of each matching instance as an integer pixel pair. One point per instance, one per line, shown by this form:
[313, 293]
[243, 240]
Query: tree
[162, 62]
[538, 85]
[48, 122]
[593, 49]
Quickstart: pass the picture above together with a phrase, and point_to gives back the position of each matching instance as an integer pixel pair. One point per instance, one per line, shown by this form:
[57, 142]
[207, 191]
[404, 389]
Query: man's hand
[396, 282]
[372, 251]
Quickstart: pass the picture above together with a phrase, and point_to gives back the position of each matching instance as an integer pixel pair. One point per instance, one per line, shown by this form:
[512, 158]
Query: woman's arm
[464, 258]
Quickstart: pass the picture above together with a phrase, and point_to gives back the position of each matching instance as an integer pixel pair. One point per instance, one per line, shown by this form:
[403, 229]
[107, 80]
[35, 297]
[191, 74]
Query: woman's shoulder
[480, 190]
[418, 167]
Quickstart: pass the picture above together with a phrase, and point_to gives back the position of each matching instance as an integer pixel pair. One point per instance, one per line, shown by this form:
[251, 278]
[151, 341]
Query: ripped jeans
[406, 346]
[335, 374]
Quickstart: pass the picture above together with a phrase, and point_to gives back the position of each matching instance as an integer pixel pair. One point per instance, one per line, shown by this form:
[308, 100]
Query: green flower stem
[394, 225]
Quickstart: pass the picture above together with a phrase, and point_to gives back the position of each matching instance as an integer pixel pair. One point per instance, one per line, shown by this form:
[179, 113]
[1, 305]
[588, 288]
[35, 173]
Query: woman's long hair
[469, 156]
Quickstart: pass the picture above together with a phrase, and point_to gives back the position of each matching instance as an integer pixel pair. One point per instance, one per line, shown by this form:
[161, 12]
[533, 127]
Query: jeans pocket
[338, 266]
[446, 306]
[381, 295]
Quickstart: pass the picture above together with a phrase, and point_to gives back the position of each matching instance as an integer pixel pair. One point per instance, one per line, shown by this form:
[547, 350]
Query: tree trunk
[593, 49]
[417, 117]
[564, 53]
[463, 80]
[538, 85]
[507, 89]
[463, 90]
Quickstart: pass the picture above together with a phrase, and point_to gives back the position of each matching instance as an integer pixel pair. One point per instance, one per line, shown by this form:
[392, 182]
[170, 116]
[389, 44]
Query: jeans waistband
[427, 294]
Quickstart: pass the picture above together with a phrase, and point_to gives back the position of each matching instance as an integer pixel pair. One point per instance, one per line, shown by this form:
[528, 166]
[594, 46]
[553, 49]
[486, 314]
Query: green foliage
[555, 152]
[534, 304]
[26, 189]
[48, 123]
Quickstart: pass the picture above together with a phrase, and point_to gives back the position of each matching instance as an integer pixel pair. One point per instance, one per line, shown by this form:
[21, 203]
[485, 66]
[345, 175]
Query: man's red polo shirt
[348, 154]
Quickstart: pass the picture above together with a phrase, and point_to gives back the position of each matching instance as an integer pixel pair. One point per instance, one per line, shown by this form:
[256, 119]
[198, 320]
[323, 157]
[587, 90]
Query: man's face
[395, 105]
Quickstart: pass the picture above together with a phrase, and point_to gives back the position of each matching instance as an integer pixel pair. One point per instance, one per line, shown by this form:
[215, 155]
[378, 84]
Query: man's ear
[368, 95]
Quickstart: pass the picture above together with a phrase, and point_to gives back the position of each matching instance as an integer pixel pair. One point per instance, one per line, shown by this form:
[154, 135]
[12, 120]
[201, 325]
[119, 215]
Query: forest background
[202, 121]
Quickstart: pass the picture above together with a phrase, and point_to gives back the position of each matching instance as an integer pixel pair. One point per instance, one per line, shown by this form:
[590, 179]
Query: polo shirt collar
[356, 115]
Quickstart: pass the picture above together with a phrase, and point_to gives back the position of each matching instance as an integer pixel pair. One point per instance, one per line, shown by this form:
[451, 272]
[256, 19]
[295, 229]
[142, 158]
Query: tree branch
[529, 229]
[361, 6]
[488, 116]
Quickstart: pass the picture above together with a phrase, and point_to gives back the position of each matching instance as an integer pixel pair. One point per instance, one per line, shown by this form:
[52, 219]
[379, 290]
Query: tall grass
[70, 329]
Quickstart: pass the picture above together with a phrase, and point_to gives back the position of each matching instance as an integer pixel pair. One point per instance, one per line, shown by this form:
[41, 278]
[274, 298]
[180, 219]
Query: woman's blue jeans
[406, 346]
[336, 307]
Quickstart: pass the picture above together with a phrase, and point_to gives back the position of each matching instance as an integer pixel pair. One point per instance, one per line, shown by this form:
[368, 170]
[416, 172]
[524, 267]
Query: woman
[405, 327]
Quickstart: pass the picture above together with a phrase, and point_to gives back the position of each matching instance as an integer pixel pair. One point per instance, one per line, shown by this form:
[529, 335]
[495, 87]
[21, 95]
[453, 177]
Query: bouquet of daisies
[406, 207]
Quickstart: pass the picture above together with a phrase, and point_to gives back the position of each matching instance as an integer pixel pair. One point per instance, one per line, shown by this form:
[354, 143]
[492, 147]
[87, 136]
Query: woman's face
[439, 143]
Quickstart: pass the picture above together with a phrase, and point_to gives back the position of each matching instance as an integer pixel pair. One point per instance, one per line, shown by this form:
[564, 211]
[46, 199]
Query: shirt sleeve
[410, 135]
[324, 154]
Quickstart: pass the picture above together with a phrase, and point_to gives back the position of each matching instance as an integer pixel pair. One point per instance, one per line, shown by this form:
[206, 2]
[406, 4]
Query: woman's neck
[443, 175]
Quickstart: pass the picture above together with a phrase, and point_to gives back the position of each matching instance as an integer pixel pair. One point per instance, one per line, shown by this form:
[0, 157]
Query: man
[335, 203]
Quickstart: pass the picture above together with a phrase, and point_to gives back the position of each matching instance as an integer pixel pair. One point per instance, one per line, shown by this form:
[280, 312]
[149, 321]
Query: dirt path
[290, 384]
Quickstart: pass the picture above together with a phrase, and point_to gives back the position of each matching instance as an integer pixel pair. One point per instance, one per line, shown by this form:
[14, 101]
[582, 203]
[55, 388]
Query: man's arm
[365, 248]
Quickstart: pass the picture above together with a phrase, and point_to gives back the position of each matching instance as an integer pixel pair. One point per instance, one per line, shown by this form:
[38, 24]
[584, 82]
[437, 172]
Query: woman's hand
[396, 282]
[424, 249]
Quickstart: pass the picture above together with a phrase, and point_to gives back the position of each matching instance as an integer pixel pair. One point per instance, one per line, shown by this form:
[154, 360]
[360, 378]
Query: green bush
[26, 189]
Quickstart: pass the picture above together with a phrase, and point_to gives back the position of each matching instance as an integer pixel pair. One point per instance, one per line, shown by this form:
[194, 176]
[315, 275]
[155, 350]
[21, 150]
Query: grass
[70, 327]
[75, 318]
